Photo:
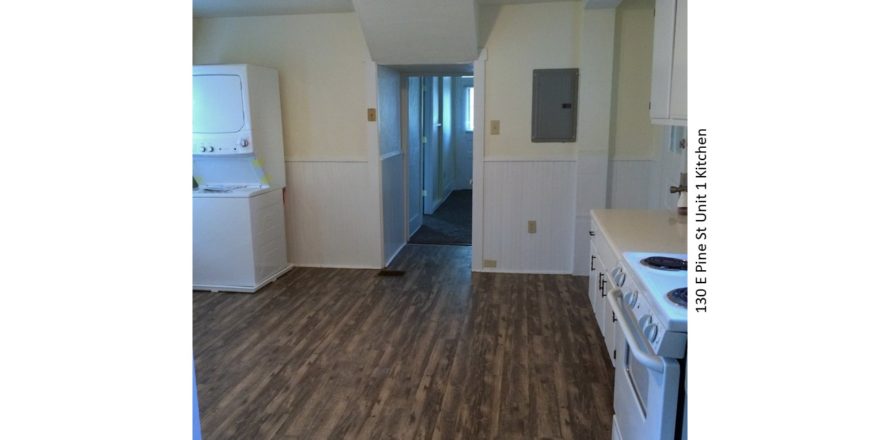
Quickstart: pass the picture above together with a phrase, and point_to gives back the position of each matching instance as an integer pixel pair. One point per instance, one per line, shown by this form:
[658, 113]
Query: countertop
[642, 230]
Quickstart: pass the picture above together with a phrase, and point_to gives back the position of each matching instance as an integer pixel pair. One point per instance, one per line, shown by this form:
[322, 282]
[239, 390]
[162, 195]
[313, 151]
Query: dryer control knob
[651, 332]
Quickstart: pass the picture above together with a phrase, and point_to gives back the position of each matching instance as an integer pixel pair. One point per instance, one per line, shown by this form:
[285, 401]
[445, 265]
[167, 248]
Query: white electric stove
[649, 302]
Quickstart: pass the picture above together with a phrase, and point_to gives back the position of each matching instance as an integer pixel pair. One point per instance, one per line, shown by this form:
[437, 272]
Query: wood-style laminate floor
[438, 353]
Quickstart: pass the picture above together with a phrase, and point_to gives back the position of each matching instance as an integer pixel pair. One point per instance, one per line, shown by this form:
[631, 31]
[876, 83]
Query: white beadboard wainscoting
[332, 214]
[393, 216]
[516, 191]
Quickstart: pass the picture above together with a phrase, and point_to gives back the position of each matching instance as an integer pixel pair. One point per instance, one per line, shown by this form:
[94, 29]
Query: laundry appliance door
[218, 104]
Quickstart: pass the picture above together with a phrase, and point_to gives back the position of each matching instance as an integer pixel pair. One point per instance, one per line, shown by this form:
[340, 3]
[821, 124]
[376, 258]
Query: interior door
[414, 154]
[430, 176]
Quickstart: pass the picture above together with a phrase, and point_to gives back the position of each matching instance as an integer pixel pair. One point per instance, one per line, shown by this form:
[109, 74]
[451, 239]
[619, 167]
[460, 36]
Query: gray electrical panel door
[554, 105]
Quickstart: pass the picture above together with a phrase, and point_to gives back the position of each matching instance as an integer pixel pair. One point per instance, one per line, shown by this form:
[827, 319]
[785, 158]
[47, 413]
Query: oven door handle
[633, 336]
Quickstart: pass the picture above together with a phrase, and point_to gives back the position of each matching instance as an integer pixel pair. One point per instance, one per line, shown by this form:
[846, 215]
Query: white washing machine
[239, 241]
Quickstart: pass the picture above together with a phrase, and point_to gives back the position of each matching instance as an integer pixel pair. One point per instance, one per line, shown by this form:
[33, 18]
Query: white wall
[519, 191]
[393, 216]
[524, 180]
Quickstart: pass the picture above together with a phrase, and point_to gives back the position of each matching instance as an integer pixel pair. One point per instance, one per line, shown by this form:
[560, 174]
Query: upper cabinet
[669, 70]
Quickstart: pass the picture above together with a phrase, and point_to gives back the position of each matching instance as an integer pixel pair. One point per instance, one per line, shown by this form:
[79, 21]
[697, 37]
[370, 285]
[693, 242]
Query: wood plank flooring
[438, 353]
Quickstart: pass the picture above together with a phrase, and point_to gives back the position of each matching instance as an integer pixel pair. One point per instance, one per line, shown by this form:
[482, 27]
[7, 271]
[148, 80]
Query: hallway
[450, 223]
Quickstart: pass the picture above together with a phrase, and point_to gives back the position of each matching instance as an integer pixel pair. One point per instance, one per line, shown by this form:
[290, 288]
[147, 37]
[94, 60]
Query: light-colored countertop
[642, 230]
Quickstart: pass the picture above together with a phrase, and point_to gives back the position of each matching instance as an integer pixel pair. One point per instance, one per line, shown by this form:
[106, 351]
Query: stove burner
[665, 263]
[679, 296]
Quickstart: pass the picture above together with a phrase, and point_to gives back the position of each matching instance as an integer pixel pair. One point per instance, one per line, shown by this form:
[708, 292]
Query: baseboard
[243, 289]
[337, 266]
[532, 272]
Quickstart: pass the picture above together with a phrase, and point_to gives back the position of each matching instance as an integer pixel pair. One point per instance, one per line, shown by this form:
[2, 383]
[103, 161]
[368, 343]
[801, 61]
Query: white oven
[650, 340]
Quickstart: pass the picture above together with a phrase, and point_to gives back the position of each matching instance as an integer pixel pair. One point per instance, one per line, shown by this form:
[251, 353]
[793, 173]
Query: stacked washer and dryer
[239, 240]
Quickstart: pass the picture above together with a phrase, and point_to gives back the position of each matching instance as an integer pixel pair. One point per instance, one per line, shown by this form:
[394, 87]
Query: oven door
[645, 384]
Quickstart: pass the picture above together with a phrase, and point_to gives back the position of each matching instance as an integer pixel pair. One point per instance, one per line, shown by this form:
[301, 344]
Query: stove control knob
[204, 149]
[631, 298]
[211, 149]
[651, 332]
[645, 321]
[243, 143]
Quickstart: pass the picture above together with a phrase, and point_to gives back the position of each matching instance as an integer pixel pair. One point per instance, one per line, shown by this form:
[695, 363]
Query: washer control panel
[239, 143]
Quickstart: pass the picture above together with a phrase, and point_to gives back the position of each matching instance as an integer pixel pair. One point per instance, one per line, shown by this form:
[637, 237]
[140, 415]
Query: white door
[414, 154]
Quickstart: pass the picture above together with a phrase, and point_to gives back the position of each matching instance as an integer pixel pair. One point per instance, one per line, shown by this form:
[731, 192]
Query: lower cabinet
[600, 285]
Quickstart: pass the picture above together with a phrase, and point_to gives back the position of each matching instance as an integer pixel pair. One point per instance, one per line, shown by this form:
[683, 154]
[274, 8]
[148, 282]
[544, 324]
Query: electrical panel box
[554, 105]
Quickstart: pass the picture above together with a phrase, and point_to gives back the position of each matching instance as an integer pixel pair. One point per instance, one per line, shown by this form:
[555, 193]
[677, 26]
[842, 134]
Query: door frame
[479, 68]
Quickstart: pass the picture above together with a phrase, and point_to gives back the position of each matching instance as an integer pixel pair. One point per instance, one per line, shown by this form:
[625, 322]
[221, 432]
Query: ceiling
[243, 8]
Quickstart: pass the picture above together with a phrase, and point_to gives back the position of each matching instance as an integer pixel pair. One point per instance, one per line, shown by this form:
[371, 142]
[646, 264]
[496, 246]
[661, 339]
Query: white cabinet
[602, 261]
[669, 68]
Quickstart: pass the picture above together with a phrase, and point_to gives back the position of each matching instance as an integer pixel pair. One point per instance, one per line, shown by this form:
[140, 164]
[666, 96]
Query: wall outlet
[494, 126]
[533, 226]
[490, 263]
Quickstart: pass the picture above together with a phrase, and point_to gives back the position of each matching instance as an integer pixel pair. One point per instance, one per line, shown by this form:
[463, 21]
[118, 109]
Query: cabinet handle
[602, 284]
[592, 263]
[592, 233]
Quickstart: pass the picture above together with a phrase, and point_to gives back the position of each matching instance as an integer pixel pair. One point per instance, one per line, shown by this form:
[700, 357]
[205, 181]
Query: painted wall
[393, 216]
[632, 135]
[643, 164]
[523, 38]
[525, 181]
[319, 58]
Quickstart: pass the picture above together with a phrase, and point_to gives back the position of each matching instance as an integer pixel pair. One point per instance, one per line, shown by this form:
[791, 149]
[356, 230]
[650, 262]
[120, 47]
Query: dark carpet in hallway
[450, 223]
[438, 353]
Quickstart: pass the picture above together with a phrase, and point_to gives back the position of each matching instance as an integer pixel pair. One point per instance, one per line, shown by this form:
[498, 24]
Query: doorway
[440, 125]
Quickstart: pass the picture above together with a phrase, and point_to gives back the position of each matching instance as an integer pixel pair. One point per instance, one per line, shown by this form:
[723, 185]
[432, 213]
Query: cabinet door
[678, 95]
[594, 279]
[669, 65]
[610, 326]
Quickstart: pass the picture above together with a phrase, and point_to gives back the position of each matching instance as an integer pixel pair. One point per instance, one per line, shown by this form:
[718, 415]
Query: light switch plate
[494, 126]
[533, 226]
[371, 114]
[490, 263]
